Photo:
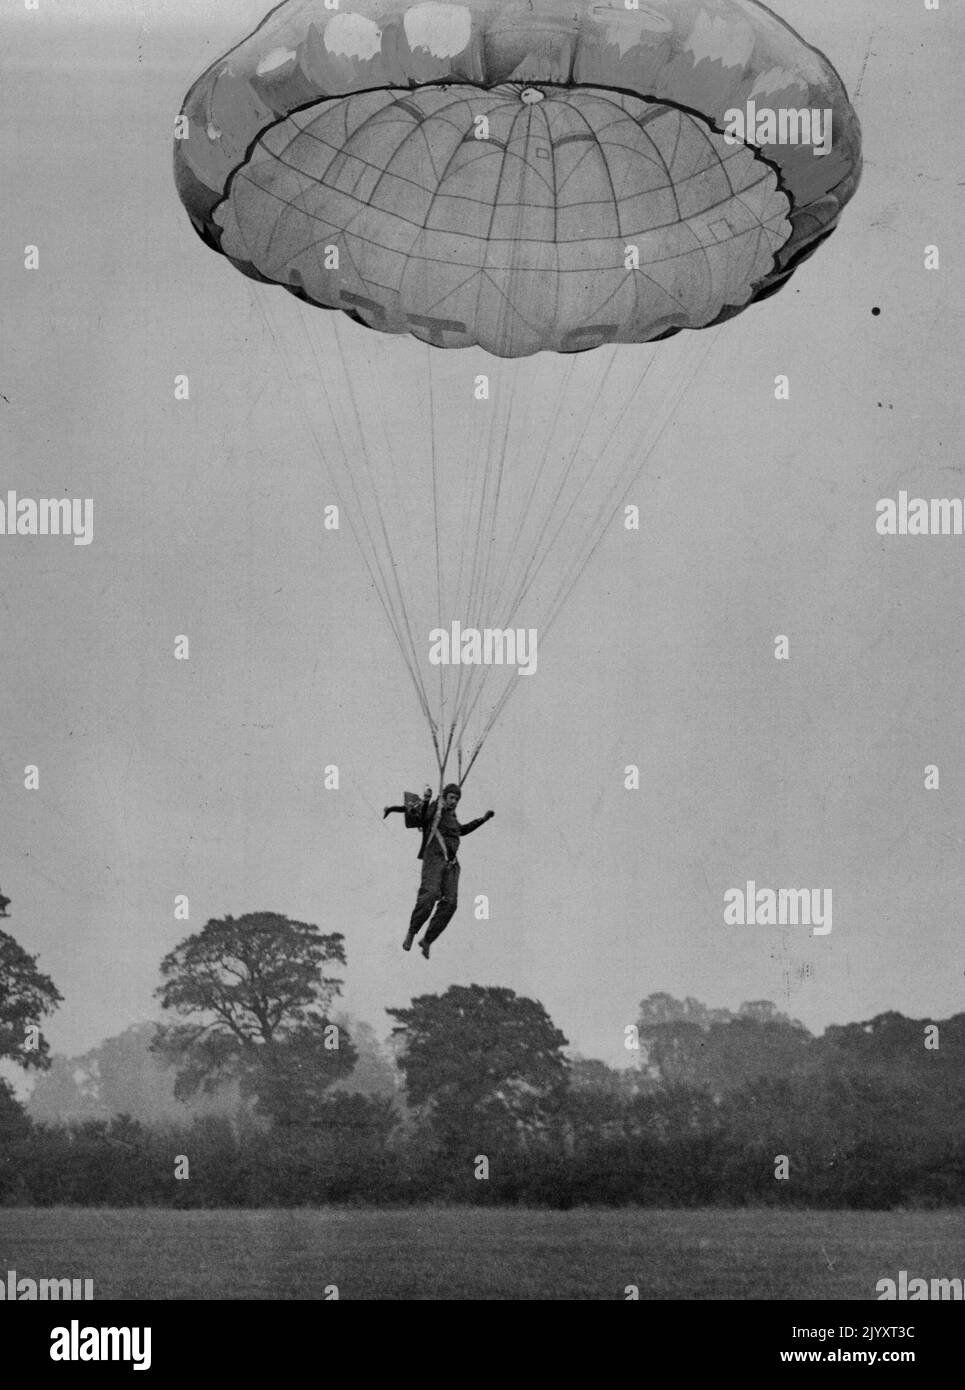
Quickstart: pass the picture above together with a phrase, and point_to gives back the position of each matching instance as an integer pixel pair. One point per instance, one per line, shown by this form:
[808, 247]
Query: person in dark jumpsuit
[439, 887]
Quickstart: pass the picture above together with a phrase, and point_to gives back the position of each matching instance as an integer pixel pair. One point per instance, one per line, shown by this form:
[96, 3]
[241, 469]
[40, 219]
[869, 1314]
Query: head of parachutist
[450, 797]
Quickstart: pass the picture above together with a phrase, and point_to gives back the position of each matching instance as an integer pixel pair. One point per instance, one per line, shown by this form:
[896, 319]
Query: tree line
[718, 1108]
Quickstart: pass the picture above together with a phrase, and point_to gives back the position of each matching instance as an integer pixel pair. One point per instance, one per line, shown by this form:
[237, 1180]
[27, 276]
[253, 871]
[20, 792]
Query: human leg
[430, 888]
[447, 904]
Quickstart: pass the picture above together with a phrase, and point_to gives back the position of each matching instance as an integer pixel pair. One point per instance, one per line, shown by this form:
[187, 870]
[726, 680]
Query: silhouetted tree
[26, 998]
[686, 1044]
[257, 998]
[484, 1065]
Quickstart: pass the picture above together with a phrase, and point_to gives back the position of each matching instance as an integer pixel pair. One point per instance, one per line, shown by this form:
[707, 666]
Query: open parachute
[520, 180]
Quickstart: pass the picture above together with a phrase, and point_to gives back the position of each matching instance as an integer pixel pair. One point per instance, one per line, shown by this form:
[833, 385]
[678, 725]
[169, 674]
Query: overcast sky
[159, 777]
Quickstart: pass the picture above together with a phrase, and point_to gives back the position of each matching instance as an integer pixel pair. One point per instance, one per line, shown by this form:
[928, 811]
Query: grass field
[473, 1253]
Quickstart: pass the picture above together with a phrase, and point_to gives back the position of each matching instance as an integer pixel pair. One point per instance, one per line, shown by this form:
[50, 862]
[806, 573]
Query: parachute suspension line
[374, 493]
[487, 527]
[528, 578]
[471, 533]
[490, 594]
[538, 560]
[628, 478]
[395, 602]
[529, 114]
[478, 520]
[476, 479]
[521, 448]
[435, 527]
[607, 511]
[529, 574]
[441, 760]
[369, 551]
[562, 393]
[544, 547]
[477, 525]
[370, 559]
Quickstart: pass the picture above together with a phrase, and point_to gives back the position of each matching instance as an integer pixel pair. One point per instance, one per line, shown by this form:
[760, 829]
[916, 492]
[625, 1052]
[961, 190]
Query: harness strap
[436, 834]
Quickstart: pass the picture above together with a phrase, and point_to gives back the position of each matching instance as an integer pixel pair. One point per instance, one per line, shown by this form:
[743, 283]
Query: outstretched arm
[472, 825]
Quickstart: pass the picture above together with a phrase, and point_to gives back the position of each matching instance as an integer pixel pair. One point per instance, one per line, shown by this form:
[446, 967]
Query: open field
[474, 1253]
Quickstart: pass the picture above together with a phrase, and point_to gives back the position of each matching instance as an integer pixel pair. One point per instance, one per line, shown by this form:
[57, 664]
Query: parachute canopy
[519, 178]
[505, 175]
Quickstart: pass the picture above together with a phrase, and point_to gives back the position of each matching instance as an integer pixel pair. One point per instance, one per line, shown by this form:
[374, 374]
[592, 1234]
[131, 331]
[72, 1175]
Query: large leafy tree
[683, 1043]
[26, 998]
[482, 1065]
[255, 997]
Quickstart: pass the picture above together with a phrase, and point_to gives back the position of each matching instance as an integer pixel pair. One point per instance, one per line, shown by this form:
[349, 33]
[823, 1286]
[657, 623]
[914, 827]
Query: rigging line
[472, 533]
[502, 409]
[489, 530]
[477, 523]
[471, 478]
[475, 678]
[636, 470]
[374, 486]
[528, 502]
[501, 556]
[486, 674]
[283, 353]
[611, 501]
[562, 392]
[448, 748]
[517, 115]
[482, 280]
[524, 173]
[535, 567]
[526, 579]
[491, 524]
[475, 477]
[429, 353]
[373, 564]
[565, 592]
[435, 520]
[474, 482]
[524, 586]
[388, 604]
[367, 461]
[533, 549]
[481, 594]
[359, 430]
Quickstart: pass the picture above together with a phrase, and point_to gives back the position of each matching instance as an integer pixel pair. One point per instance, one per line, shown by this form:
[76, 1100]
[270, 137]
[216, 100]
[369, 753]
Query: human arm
[472, 825]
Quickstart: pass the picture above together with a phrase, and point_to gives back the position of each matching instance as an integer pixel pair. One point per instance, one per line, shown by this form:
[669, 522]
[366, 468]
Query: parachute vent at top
[505, 175]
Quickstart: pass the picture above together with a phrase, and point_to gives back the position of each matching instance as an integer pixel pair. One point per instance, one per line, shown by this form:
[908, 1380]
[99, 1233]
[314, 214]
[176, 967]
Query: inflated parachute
[520, 178]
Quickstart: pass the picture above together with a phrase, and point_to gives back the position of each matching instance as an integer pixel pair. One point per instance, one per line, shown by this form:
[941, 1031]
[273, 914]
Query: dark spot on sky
[876, 312]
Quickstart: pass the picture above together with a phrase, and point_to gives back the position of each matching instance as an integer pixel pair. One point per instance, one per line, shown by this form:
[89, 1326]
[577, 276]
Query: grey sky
[205, 778]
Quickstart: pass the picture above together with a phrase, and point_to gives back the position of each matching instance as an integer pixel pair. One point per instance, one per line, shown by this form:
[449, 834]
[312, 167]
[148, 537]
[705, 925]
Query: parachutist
[439, 886]
[4, 904]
